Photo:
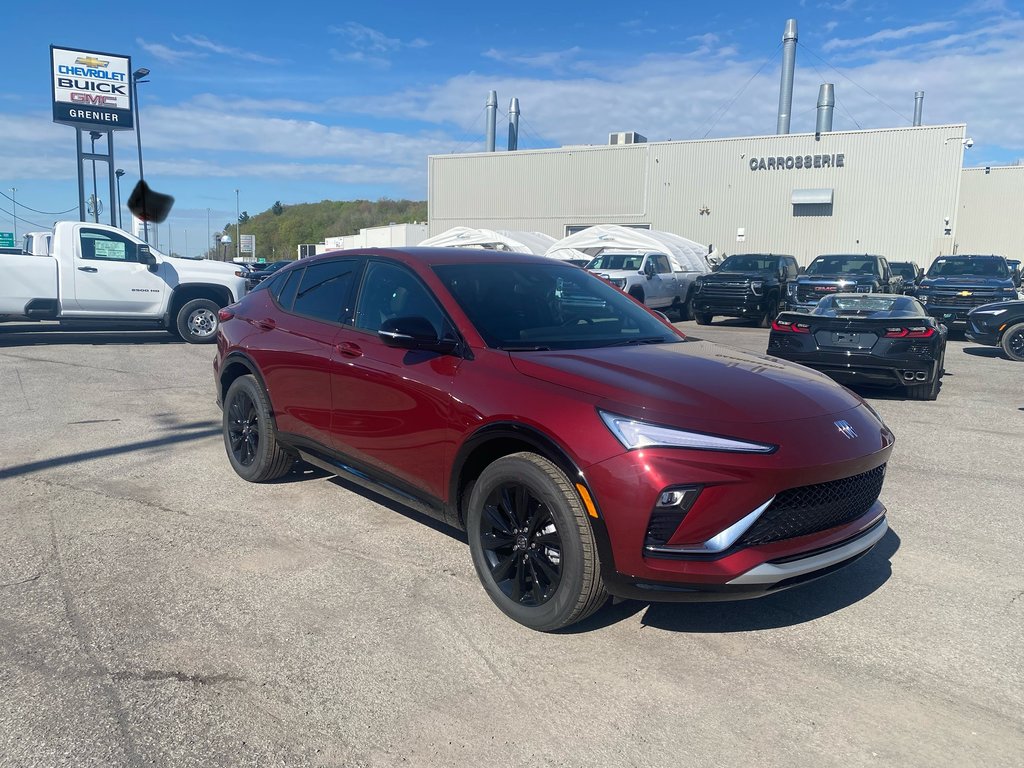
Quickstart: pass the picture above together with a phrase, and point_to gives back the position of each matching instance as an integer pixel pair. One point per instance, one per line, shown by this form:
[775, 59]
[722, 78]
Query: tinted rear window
[325, 289]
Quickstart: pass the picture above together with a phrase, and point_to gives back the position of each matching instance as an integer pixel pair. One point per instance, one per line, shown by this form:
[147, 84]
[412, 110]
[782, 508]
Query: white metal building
[900, 192]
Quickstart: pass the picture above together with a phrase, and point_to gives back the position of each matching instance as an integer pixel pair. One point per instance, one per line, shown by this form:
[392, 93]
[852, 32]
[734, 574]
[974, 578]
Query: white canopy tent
[685, 255]
[496, 240]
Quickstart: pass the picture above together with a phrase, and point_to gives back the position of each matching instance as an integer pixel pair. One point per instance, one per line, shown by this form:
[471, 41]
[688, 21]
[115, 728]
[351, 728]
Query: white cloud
[830, 26]
[885, 35]
[166, 53]
[369, 45]
[204, 43]
[546, 60]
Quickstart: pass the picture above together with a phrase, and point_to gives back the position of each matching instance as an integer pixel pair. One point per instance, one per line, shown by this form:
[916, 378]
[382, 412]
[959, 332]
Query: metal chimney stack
[826, 106]
[918, 106]
[789, 39]
[513, 125]
[492, 117]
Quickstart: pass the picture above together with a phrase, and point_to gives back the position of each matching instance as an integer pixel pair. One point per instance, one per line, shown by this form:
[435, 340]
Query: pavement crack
[23, 581]
[151, 675]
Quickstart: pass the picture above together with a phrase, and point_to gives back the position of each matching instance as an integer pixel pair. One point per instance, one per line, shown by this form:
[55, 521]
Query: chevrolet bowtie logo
[964, 293]
[91, 61]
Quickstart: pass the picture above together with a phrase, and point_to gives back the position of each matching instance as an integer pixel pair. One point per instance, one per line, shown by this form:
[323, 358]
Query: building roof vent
[626, 137]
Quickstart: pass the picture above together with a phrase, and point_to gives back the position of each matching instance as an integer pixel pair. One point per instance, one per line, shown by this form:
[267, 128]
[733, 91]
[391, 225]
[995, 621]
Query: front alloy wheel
[532, 544]
[1013, 342]
[249, 435]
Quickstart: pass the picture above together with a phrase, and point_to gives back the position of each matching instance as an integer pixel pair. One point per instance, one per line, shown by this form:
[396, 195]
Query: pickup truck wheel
[770, 314]
[532, 544]
[197, 321]
[1013, 342]
[637, 294]
[703, 318]
[249, 435]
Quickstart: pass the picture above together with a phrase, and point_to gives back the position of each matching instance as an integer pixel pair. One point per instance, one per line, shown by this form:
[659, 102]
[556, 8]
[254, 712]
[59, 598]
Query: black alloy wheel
[521, 545]
[1013, 342]
[243, 428]
[532, 543]
[249, 434]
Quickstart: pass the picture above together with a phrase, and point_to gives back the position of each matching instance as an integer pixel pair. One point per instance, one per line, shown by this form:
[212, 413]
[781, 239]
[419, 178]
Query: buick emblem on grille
[847, 431]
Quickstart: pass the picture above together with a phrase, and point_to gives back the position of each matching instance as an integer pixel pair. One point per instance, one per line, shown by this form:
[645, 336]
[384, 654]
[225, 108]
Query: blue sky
[314, 101]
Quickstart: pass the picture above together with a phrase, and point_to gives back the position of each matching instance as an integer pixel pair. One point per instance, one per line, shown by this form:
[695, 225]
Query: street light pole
[93, 135]
[238, 223]
[137, 76]
[119, 173]
[14, 200]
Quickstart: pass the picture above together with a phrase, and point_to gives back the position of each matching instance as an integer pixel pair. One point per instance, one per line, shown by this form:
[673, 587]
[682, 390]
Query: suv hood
[837, 278]
[967, 280]
[617, 272]
[766, 274]
[692, 380]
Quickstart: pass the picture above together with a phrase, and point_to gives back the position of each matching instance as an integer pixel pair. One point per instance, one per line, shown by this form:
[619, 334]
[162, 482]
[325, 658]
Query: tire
[703, 318]
[197, 321]
[532, 544]
[685, 309]
[773, 311]
[637, 294]
[1013, 342]
[249, 435]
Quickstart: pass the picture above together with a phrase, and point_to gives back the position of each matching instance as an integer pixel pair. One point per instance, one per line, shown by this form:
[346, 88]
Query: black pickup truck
[842, 273]
[954, 285]
[751, 285]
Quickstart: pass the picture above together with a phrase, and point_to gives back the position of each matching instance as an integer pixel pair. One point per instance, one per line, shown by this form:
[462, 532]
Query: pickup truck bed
[25, 275]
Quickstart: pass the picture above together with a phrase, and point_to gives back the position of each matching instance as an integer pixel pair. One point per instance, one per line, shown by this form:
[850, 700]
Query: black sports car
[879, 339]
[999, 325]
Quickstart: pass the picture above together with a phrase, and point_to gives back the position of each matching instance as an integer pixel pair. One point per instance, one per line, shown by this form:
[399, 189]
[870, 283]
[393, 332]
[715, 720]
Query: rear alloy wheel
[1013, 342]
[197, 321]
[770, 314]
[532, 545]
[703, 318]
[249, 434]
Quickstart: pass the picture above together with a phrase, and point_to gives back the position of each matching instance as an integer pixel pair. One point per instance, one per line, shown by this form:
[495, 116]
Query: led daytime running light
[640, 434]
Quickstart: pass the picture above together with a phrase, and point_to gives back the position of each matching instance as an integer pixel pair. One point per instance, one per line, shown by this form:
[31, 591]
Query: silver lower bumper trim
[771, 573]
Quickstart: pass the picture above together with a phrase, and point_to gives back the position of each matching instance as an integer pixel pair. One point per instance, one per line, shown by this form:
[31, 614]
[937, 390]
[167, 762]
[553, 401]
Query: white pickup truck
[94, 274]
[649, 278]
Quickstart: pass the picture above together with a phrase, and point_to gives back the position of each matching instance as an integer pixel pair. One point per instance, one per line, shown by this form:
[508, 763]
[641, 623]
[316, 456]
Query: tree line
[281, 228]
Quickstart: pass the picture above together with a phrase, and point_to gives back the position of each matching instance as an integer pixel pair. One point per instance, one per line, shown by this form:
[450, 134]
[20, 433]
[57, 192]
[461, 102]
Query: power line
[26, 221]
[472, 126]
[869, 93]
[721, 111]
[34, 210]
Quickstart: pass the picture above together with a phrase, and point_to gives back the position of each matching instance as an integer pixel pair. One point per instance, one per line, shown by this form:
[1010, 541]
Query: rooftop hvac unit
[626, 137]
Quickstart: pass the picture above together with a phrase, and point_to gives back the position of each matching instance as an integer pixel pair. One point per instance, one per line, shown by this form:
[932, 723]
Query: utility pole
[208, 227]
[238, 223]
[14, 200]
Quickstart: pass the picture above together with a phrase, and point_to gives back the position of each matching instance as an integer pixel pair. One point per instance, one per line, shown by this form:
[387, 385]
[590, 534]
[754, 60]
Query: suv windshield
[529, 306]
[750, 263]
[905, 270]
[843, 265]
[630, 261]
[965, 266]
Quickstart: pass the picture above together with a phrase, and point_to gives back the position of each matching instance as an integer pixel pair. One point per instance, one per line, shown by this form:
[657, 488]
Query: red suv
[584, 444]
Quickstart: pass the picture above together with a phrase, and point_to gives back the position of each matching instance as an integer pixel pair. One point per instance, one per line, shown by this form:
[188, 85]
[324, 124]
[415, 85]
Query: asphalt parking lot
[157, 610]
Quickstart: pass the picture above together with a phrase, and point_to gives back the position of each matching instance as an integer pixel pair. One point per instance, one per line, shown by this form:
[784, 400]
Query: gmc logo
[828, 288]
[97, 99]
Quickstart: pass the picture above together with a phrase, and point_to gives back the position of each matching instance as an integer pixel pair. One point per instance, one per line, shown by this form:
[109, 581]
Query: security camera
[968, 142]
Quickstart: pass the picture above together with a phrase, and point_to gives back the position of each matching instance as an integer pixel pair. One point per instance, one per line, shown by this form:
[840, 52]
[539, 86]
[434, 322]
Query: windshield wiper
[638, 340]
[524, 348]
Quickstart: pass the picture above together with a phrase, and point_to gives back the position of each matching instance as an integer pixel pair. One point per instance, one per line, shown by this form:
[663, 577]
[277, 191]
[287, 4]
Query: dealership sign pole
[91, 92]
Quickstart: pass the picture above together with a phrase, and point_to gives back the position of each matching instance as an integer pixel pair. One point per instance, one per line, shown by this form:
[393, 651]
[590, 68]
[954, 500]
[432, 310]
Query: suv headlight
[791, 289]
[757, 286]
[640, 434]
[618, 282]
[993, 312]
[699, 286]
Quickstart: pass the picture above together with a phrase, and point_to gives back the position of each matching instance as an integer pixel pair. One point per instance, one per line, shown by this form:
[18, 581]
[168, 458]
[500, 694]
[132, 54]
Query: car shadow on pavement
[792, 606]
[26, 335]
[994, 352]
[401, 509]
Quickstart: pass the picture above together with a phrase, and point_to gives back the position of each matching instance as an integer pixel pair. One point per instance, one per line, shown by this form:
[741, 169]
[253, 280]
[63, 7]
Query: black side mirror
[649, 269]
[146, 256]
[801, 270]
[414, 333]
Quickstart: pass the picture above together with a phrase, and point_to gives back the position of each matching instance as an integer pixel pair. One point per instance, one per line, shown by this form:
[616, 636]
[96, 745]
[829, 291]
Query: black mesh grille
[662, 525]
[966, 302]
[814, 508]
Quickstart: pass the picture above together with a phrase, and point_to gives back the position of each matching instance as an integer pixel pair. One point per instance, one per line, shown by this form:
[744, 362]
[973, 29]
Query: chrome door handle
[88, 269]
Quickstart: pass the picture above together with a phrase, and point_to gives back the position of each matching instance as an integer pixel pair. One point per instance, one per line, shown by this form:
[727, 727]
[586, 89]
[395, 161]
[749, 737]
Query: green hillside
[281, 228]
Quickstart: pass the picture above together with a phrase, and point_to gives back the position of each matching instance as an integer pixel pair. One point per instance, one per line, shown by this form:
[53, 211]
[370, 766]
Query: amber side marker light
[587, 501]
